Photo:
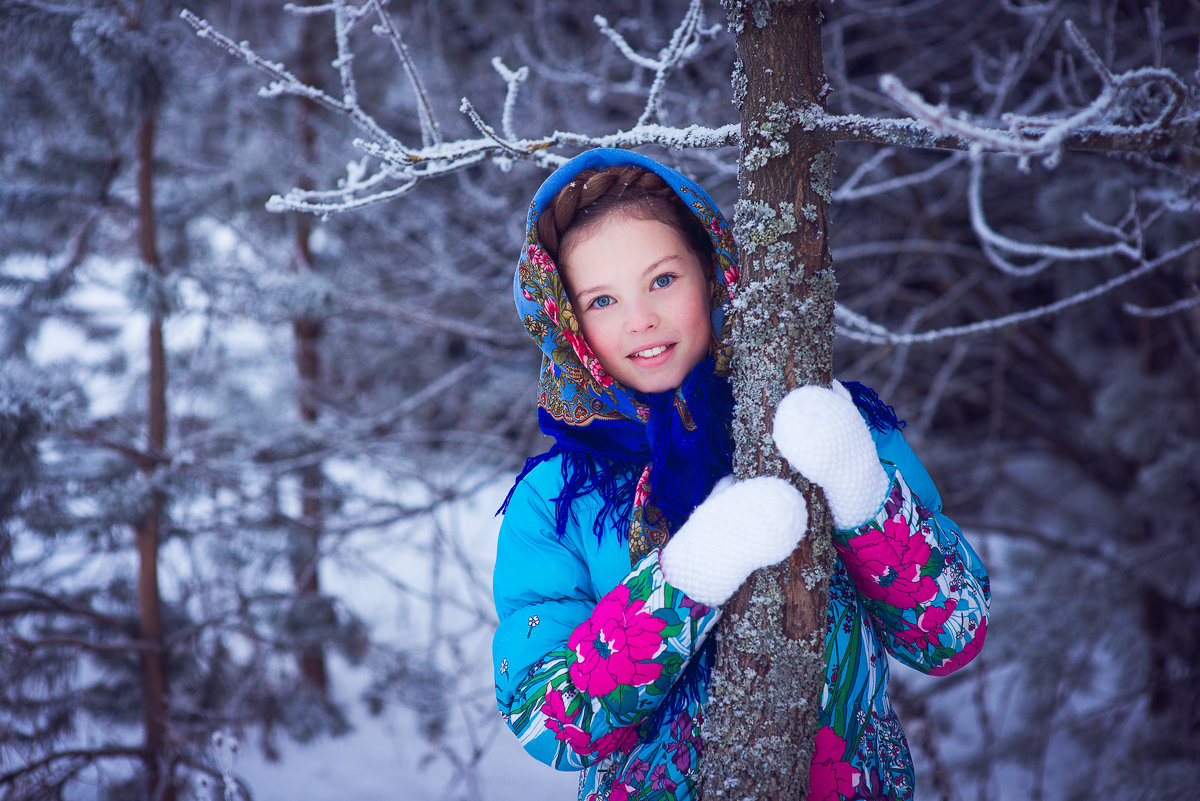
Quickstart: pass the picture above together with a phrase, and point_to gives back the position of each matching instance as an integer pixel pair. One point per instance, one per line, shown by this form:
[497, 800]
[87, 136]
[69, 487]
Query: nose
[642, 316]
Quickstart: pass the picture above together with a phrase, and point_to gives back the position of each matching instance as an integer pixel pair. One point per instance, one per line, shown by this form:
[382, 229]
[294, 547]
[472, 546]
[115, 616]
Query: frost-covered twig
[430, 132]
[685, 41]
[284, 83]
[488, 131]
[856, 327]
[851, 191]
[994, 243]
[512, 80]
[1048, 136]
[1163, 311]
[399, 168]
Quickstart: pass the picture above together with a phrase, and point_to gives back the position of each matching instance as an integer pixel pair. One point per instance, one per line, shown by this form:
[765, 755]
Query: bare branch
[80, 643]
[46, 603]
[1163, 311]
[1047, 136]
[430, 131]
[863, 330]
[994, 242]
[87, 754]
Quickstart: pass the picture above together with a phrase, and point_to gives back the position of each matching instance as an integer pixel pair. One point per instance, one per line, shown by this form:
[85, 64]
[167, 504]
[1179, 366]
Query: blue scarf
[606, 458]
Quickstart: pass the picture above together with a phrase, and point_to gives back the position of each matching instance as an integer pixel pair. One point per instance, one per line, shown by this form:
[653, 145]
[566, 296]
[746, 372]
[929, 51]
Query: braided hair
[594, 195]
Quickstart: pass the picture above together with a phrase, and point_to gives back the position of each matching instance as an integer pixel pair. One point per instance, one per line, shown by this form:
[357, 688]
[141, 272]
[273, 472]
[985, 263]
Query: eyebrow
[649, 269]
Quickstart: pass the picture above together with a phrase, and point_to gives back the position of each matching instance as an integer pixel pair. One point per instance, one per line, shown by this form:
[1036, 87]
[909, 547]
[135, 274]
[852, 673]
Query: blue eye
[600, 302]
[663, 280]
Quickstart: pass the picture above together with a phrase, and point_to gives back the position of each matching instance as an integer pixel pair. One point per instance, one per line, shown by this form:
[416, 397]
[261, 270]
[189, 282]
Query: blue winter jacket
[600, 668]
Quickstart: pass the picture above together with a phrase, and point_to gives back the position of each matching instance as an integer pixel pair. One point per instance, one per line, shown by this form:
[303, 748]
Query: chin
[659, 385]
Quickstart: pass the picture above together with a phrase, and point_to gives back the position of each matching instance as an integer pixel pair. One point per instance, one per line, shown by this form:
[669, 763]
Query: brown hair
[594, 195]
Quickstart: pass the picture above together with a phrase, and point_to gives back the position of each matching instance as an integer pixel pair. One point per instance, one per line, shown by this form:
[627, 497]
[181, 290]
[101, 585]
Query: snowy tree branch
[401, 168]
[1047, 136]
[430, 131]
[287, 83]
[857, 327]
[995, 243]
[1163, 311]
[512, 80]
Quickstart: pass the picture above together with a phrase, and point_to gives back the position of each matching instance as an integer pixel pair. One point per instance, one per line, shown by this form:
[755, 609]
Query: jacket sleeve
[576, 675]
[923, 587]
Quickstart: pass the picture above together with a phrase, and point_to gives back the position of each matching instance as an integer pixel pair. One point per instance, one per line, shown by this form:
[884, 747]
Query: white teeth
[646, 354]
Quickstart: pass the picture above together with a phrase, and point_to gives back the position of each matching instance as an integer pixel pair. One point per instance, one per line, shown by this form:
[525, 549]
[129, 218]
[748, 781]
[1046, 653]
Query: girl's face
[642, 298]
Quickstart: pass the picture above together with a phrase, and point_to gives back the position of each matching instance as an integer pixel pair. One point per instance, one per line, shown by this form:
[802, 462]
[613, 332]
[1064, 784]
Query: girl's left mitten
[824, 438]
[738, 529]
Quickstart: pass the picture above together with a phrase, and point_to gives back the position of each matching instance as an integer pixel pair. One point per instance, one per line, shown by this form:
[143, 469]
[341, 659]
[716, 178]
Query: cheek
[695, 313]
[600, 335]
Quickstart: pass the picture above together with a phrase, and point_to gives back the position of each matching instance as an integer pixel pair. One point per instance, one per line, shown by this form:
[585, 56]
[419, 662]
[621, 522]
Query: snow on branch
[395, 168]
[1046, 136]
[430, 135]
[685, 41]
[1125, 244]
[285, 82]
[859, 328]
[512, 80]
[850, 189]
[1163, 311]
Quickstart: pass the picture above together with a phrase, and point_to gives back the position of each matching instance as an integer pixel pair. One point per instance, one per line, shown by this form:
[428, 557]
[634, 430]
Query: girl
[620, 543]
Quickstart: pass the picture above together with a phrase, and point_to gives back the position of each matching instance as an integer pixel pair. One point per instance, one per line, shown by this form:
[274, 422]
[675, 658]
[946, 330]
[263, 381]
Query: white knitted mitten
[821, 434]
[739, 528]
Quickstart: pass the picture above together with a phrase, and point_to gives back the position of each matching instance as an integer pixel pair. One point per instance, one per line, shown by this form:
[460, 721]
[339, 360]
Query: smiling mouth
[649, 352]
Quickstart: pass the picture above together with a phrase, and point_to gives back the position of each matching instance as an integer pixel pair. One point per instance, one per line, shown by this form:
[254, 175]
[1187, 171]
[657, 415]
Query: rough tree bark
[765, 695]
[148, 531]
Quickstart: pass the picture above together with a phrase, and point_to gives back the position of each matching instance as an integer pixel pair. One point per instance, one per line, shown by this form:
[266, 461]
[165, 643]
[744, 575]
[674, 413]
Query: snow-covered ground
[387, 757]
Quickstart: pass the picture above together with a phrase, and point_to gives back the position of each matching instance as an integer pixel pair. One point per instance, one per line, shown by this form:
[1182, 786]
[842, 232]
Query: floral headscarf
[657, 454]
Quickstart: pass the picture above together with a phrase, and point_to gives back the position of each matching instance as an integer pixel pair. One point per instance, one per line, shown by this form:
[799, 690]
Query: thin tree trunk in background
[305, 547]
[159, 780]
[770, 667]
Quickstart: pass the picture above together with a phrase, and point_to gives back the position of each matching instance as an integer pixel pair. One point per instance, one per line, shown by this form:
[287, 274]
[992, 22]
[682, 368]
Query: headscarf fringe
[583, 473]
[687, 463]
[879, 415]
[681, 477]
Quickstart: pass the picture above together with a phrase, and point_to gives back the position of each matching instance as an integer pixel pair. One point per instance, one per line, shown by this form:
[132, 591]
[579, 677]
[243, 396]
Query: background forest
[249, 457]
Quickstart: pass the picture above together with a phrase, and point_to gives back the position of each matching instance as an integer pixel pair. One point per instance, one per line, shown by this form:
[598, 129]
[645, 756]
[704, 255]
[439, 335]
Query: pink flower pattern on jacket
[622, 739]
[965, 655]
[560, 723]
[616, 645]
[830, 778]
[926, 632]
[891, 558]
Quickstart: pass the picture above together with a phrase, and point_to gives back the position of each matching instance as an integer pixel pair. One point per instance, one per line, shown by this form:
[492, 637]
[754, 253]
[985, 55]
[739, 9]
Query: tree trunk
[765, 695]
[159, 780]
[306, 540]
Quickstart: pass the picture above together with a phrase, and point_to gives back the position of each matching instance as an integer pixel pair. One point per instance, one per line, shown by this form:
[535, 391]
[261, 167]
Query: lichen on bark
[770, 668]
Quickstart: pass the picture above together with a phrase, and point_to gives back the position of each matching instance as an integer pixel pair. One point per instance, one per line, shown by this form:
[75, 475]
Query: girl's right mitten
[738, 529]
